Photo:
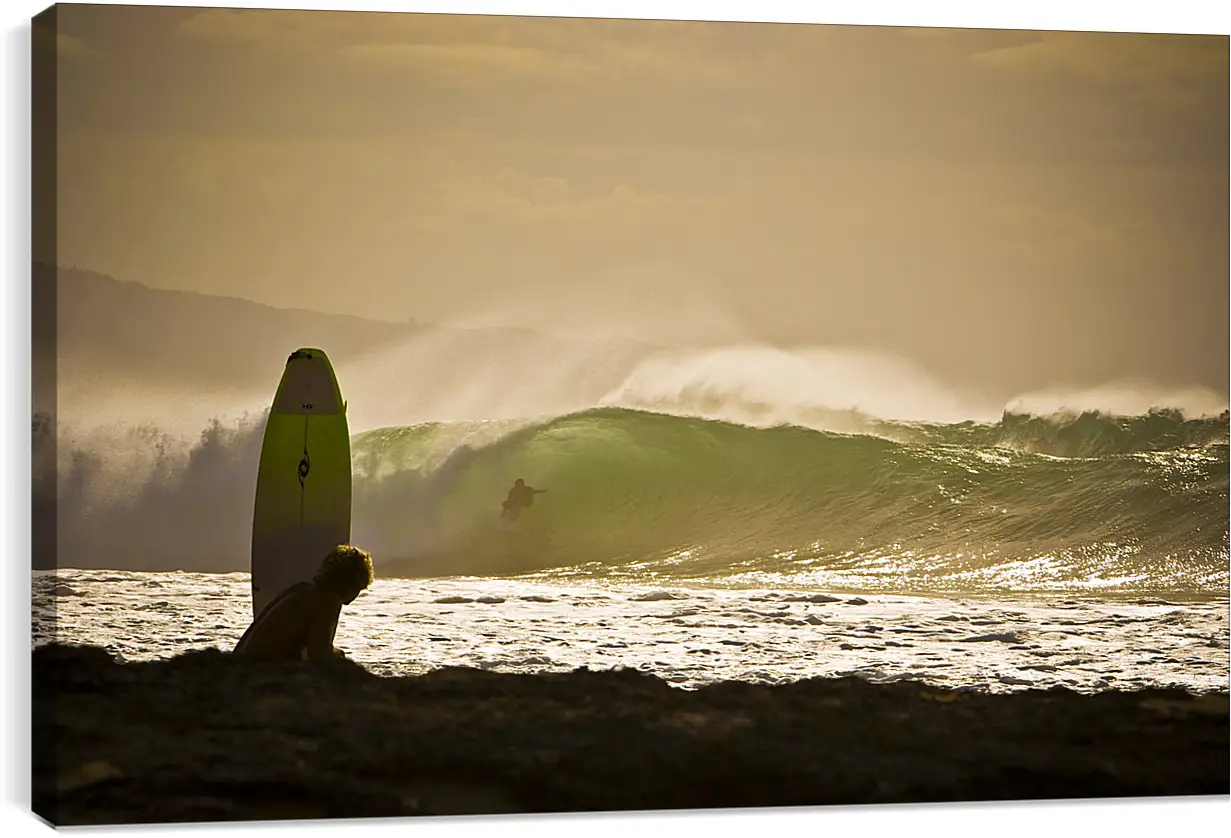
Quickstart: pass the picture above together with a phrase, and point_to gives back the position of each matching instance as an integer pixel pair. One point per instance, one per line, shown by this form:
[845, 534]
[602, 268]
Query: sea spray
[1027, 503]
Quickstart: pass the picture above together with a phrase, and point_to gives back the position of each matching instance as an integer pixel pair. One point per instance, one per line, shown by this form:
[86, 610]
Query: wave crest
[676, 496]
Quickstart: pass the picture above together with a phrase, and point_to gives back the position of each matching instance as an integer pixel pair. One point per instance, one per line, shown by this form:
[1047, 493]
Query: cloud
[467, 63]
[430, 188]
[670, 63]
[1164, 67]
[267, 28]
[512, 197]
[64, 46]
[490, 50]
[1061, 228]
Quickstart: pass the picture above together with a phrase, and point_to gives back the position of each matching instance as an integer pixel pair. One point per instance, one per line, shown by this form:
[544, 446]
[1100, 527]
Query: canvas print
[456, 414]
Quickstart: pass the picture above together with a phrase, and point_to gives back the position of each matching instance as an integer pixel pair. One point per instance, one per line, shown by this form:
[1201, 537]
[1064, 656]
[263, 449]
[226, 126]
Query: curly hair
[347, 564]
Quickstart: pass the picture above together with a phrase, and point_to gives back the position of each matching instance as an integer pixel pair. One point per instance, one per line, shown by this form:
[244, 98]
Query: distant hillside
[135, 331]
[111, 333]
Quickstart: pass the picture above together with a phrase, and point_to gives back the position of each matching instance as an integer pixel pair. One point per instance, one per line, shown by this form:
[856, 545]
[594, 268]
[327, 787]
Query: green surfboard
[303, 488]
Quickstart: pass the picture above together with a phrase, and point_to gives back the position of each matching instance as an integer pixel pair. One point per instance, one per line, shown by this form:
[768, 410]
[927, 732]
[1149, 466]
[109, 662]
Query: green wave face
[1083, 504]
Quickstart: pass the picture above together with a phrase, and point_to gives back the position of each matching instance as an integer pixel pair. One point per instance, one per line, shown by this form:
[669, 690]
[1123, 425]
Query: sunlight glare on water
[688, 635]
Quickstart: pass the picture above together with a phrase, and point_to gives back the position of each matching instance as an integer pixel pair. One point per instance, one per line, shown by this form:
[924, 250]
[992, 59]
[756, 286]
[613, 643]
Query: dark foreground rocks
[207, 737]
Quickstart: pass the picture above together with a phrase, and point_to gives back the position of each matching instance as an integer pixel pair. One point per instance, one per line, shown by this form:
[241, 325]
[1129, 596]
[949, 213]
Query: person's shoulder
[307, 595]
[301, 590]
[323, 598]
[313, 602]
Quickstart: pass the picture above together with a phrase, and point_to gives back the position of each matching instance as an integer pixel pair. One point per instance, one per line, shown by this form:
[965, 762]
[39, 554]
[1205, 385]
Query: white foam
[808, 386]
[1120, 399]
[396, 628]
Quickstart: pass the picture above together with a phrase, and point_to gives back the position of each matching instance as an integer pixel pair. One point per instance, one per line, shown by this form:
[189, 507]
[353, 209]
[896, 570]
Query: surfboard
[302, 507]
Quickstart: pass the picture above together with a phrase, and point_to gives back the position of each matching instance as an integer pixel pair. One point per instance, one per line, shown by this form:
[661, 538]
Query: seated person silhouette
[301, 621]
[520, 497]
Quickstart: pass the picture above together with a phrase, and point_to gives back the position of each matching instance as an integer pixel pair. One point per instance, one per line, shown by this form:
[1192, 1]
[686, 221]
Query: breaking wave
[1078, 502]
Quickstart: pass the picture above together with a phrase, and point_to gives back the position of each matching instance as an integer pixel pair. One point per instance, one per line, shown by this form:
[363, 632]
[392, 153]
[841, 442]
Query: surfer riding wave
[520, 497]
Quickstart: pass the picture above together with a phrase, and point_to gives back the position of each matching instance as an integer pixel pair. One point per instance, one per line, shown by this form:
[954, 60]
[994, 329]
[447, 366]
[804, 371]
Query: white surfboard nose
[307, 387]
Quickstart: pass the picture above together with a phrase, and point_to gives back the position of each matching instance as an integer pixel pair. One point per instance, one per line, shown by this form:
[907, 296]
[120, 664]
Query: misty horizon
[175, 370]
[1005, 210]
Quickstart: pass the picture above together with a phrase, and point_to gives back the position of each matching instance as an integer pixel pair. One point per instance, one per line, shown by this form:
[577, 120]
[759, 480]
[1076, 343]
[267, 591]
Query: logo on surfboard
[305, 465]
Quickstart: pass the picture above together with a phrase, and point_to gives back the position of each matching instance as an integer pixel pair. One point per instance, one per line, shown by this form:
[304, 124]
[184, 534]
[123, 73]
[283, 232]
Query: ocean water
[689, 635]
[1085, 550]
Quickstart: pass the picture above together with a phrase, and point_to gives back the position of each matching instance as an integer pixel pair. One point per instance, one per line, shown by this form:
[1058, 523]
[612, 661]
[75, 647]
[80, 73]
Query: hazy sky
[990, 203]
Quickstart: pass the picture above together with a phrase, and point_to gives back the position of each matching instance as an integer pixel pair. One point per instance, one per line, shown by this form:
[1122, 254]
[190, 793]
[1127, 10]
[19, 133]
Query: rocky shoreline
[208, 737]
